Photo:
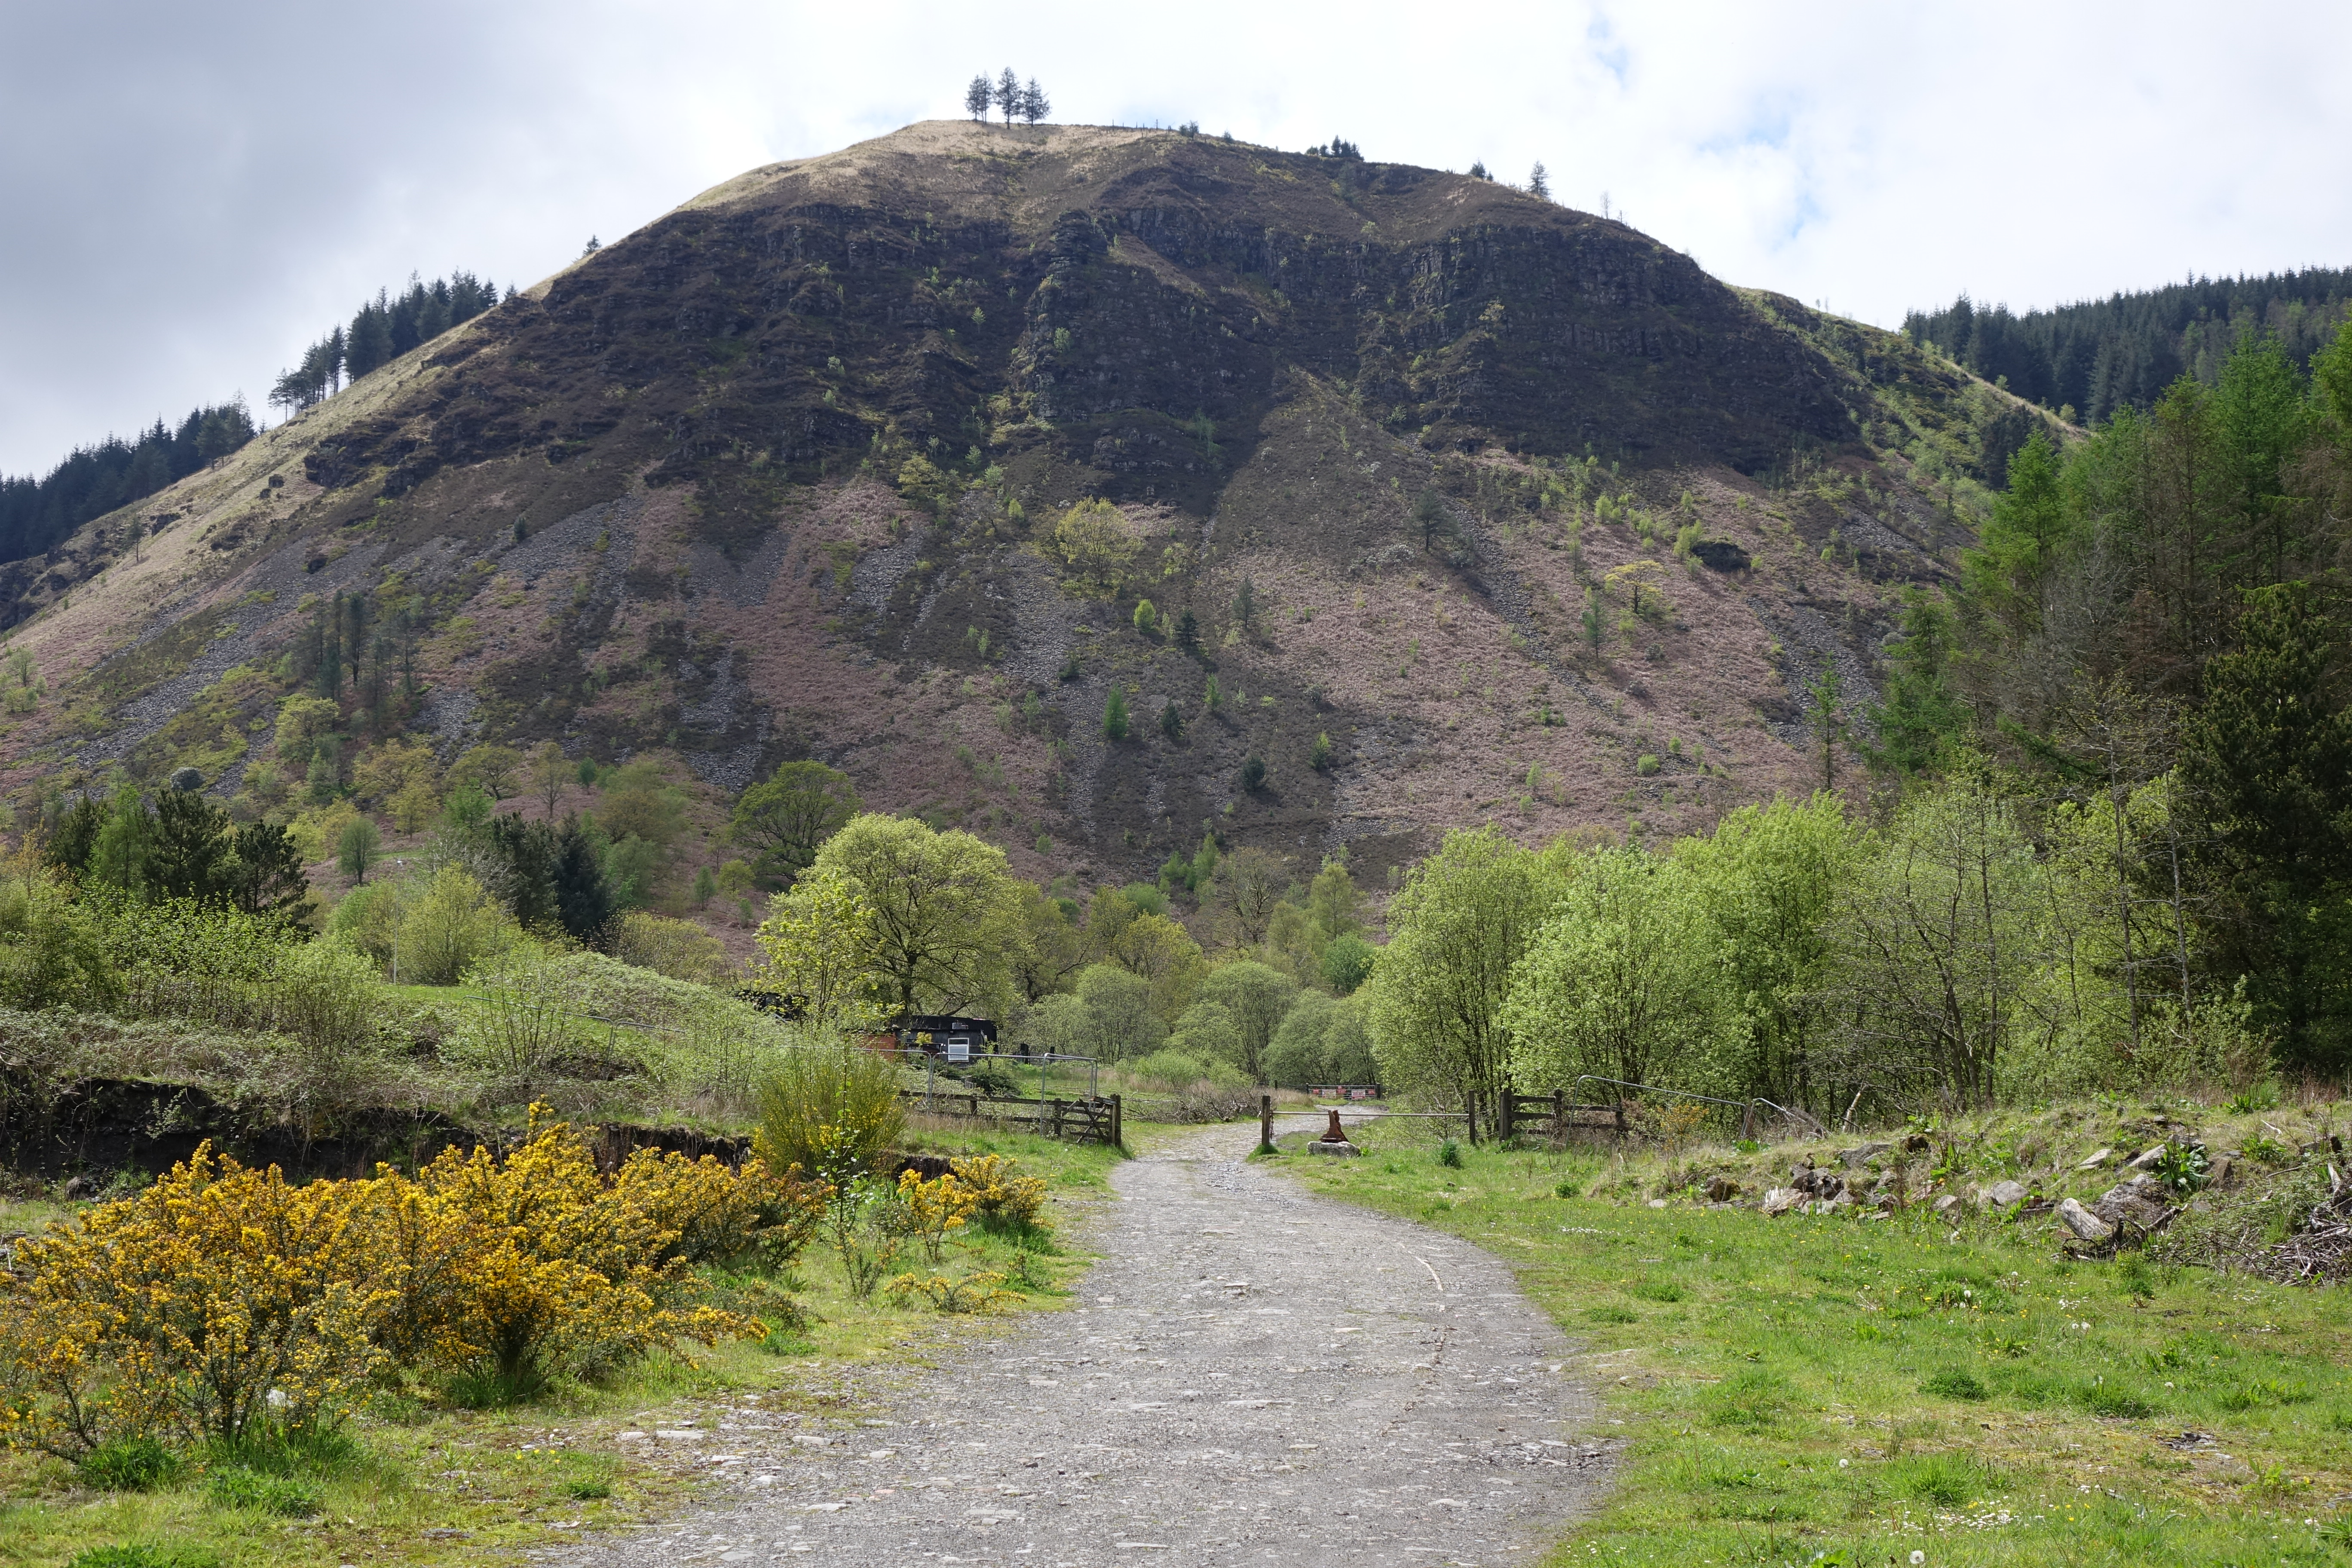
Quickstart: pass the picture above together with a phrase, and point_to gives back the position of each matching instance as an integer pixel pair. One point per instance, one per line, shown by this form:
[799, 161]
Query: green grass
[1825, 1384]
[510, 1480]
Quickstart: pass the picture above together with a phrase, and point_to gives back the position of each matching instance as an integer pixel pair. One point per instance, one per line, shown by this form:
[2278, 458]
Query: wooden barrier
[1081, 1121]
[1559, 1118]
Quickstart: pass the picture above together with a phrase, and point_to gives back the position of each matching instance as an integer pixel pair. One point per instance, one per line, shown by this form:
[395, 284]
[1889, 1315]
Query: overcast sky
[190, 193]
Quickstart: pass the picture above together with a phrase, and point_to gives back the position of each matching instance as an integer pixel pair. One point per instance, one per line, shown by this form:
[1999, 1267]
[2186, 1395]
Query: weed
[1611, 1315]
[1449, 1154]
[1947, 1480]
[587, 1491]
[146, 1557]
[1564, 1188]
[1956, 1384]
[129, 1464]
[974, 1292]
[1657, 1290]
[234, 1486]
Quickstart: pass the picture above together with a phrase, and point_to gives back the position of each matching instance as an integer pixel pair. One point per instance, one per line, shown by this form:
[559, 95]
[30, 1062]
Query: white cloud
[193, 195]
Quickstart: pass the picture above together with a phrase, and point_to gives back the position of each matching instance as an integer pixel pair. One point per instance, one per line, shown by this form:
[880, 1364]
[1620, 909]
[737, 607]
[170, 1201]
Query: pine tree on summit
[1034, 106]
[1008, 94]
[976, 97]
[1538, 182]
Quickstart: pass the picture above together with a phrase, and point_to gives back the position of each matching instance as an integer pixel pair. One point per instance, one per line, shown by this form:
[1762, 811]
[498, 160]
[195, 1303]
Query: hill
[1449, 503]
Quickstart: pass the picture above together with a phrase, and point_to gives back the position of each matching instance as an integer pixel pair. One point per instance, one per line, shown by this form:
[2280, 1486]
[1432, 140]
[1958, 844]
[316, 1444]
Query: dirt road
[1253, 1375]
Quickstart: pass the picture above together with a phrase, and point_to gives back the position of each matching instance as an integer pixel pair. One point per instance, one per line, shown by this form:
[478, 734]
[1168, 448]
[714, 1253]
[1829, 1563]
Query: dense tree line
[2102, 356]
[381, 332]
[37, 514]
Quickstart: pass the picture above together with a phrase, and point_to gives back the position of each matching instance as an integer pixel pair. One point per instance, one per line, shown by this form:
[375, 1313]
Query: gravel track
[1255, 1374]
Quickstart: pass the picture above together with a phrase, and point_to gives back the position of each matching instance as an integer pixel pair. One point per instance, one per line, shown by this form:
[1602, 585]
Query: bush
[327, 997]
[528, 1018]
[511, 1272]
[823, 1084]
[1003, 1204]
[678, 949]
[451, 926]
[1449, 1154]
[49, 954]
[223, 1306]
[216, 1285]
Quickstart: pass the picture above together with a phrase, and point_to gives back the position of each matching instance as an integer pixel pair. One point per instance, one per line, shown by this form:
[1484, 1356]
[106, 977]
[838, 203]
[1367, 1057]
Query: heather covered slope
[779, 475]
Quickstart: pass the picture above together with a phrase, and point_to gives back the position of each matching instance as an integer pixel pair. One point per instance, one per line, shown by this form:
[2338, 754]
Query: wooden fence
[1082, 1120]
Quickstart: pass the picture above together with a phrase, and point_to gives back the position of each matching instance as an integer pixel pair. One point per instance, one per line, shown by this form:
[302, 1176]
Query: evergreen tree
[1008, 95]
[976, 97]
[1538, 183]
[1034, 105]
[1920, 716]
[2269, 759]
[585, 904]
[1115, 715]
[1172, 719]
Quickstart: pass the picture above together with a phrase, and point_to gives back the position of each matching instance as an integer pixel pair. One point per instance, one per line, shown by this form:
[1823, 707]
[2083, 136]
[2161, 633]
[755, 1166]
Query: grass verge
[1833, 1390]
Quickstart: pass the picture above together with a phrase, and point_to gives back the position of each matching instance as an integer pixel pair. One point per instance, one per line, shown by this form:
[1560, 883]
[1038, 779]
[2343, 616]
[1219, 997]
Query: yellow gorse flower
[223, 1297]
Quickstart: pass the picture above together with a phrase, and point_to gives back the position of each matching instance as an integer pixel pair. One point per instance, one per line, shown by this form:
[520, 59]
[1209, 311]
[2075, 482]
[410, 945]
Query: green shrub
[1449, 1154]
[1658, 1291]
[129, 1464]
[820, 1084]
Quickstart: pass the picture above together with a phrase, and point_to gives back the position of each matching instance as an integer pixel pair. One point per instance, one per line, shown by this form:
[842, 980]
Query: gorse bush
[224, 1305]
[177, 1311]
[1002, 1202]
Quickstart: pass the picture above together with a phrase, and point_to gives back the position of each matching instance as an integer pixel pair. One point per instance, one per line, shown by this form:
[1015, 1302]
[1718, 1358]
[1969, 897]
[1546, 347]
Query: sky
[192, 193]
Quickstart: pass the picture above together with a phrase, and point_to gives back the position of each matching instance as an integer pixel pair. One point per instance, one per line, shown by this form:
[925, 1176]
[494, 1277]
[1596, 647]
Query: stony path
[1254, 1376]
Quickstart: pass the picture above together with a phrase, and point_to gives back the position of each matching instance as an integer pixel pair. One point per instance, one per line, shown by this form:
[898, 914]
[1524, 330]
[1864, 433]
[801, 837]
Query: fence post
[1265, 1121]
[1510, 1114]
[1559, 1118]
[1057, 1118]
[1118, 1124]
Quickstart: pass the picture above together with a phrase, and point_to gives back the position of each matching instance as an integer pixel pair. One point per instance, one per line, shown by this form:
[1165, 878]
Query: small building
[948, 1037]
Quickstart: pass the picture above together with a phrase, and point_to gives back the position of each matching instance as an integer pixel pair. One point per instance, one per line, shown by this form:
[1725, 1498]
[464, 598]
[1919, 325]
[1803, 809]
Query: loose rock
[2085, 1225]
[1852, 1158]
[1721, 1189]
[2003, 1194]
